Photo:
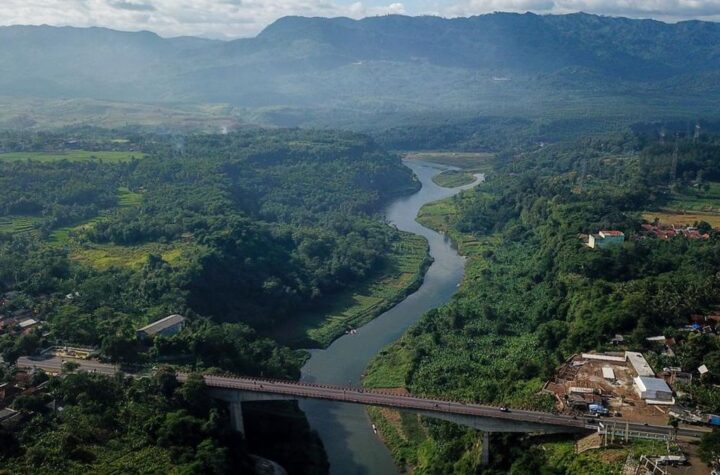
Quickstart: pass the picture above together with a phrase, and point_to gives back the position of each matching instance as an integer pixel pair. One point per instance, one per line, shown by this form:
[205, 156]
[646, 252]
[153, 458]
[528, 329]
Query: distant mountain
[380, 65]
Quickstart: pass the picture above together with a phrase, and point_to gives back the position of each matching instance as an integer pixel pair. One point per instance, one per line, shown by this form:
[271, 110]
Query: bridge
[487, 418]
[236, 390]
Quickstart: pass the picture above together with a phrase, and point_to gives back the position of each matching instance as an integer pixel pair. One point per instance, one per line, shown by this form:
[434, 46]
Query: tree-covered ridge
[89, 423]
[534, 293]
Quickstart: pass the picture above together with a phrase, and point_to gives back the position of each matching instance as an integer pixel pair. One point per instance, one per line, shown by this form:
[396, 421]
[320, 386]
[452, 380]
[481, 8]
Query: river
[351, 445]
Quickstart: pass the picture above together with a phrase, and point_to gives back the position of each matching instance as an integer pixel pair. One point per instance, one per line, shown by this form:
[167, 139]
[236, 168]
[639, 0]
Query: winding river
[351, 445]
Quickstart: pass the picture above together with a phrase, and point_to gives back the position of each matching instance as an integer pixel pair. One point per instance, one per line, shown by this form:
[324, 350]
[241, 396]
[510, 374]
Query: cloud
[134, 6]
[241, 18]
[209, 18]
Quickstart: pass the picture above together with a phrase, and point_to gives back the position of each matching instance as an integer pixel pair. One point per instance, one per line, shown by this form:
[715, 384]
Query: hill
[341, 71]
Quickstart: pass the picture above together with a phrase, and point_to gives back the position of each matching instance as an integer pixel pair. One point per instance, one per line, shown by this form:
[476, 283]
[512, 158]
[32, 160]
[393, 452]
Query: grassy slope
[402, 274]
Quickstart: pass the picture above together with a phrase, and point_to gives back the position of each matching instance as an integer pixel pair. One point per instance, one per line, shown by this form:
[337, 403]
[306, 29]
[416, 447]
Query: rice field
[104, 256]
[696, 199]
[679, 217]
[19, 224]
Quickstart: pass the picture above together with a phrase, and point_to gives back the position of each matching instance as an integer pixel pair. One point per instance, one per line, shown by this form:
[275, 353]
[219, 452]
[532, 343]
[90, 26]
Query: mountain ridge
[402, 62]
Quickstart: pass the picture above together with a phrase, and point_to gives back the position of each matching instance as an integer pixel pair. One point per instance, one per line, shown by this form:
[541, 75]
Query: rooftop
[611, 233]
[652, 384]
[638, 361]
[162, 324]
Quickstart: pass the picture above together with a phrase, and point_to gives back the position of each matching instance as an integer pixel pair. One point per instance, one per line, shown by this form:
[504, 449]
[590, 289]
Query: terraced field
[19, 224]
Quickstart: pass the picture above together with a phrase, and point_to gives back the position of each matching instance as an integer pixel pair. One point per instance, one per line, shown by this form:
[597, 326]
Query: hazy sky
[237, 18]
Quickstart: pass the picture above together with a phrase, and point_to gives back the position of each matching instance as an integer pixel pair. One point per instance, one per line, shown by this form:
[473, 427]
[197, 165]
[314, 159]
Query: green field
[692, 199]
[72, 156]
[453, 178]
[104, 256]
[63, 236]
[127, 198]
[402, 274]
[18, 224]
[476, 161]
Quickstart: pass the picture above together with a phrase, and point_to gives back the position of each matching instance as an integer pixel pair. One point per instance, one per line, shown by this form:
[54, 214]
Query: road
[54, 365]
[379, 398]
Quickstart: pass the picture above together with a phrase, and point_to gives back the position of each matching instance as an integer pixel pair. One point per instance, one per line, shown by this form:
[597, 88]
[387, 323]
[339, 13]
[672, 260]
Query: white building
[639, 364]
[653, 389]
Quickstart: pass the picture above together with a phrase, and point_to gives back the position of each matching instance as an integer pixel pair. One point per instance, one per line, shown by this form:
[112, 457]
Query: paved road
[379, 398]
[54, 365]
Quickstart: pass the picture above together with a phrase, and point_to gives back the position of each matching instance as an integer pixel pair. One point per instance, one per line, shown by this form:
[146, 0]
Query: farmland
[73, 156]
[689, 205]
[693, 199]
[105, 256]
[679, 217]
[18, 224]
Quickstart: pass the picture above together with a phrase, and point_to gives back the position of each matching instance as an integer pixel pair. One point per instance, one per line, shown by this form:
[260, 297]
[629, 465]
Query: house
[606, 238]
[164, 327]
[28, 324]
[665, 231]
[653, 390]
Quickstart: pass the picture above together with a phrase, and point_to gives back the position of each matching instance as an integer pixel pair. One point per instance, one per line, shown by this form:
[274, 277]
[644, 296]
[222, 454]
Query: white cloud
[210, 18]
[237, 18]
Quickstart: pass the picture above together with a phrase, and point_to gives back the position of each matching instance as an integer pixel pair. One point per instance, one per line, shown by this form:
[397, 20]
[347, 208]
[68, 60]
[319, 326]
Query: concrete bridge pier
[236, 415]
[235, 398]
[485, 461]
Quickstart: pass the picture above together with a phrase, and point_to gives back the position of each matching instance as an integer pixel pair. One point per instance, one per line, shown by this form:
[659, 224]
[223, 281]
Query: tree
[709, 449]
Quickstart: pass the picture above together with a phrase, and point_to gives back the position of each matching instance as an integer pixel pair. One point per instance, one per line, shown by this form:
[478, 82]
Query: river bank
[401, 274]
